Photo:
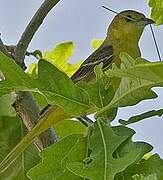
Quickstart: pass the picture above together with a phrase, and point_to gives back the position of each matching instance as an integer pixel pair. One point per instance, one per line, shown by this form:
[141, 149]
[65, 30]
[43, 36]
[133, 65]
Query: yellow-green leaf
[156, 10]
[60, 56]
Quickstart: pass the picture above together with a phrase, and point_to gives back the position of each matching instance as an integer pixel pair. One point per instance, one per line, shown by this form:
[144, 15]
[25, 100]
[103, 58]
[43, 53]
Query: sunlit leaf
[60, 56]
[156, 10]
[33, 70]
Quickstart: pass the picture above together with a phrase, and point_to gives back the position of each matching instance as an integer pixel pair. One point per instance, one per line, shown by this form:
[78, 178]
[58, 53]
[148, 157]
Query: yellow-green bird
[123, 35]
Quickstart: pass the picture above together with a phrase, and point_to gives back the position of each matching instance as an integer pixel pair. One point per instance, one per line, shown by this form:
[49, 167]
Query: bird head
[129, 24]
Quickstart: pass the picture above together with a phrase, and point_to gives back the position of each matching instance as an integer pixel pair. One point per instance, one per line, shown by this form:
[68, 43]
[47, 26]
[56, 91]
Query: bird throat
[125, 44]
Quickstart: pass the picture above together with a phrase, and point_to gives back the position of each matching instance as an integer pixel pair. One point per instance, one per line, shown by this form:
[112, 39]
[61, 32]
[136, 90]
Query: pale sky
[81, 21]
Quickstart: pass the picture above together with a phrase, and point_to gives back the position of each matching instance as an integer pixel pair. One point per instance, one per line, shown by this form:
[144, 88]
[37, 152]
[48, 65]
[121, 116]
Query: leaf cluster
[99, 151]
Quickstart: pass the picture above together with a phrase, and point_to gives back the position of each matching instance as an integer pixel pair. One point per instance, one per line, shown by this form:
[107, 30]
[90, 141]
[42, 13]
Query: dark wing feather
[102, 54]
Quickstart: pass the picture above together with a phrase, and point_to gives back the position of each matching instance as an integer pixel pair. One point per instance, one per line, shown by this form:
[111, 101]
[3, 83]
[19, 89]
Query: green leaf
[10, 134]
[150, 169]
[40, 99]
[60, 56]
[68, 127]
[126, 147]
[69, 149]
[141, 117]
[96, 43]
[136, 82]
[6, 108]
[156, 10]
[100, 91]
[60, 90]
[111, 153]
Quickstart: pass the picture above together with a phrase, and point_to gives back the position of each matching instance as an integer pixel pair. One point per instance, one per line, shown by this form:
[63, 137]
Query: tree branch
[25, 105]
[31, 29]
[30, 114]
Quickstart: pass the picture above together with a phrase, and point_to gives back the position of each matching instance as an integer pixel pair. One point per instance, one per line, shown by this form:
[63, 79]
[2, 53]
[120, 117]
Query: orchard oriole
[123, 36]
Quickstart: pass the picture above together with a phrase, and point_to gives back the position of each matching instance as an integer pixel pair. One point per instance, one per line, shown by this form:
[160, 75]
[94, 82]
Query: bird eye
[128, 18]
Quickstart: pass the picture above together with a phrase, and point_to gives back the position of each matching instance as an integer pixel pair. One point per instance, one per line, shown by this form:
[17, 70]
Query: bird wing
[103, 54]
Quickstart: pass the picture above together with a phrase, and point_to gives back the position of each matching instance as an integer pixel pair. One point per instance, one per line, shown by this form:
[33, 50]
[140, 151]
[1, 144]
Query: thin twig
[32, 27]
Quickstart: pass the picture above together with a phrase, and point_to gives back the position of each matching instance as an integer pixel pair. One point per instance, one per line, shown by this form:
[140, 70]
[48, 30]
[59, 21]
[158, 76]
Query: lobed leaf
[69, 149]
[111, 152]
[60, 56]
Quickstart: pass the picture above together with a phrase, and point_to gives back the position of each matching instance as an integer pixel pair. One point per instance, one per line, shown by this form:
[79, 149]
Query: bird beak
[147, 21]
